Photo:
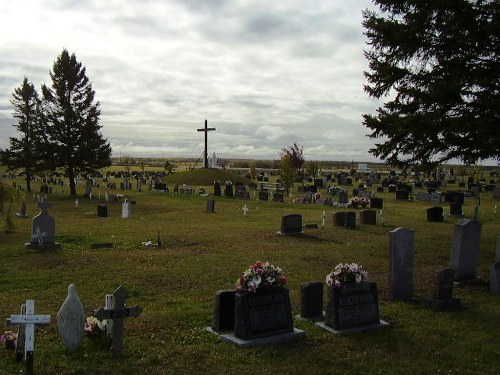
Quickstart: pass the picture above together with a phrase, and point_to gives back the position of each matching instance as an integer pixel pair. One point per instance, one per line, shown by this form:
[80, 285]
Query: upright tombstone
[263, 196]
[22, 212]
[126, 209]
[435, 215]
[456, 209]
[217, 189]
[102, 210]
[43, 229]
[210, 206]
[291, 224]
[465, 249]
[228, 190]
[495, 278]
[71, 320]
[368, 217]
[350, 220]
[223, 317]
[401, 250]
[311, 300]
[423, 196]
[343, 197]
[339, 219]
[28, 319]
[377, 203]
[117, 314]
[497, 256]
[442, 298]
[88, 188]
[402, 195]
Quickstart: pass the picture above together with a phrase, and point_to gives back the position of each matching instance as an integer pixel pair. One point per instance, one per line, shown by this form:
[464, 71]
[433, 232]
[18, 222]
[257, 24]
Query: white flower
[256, 280]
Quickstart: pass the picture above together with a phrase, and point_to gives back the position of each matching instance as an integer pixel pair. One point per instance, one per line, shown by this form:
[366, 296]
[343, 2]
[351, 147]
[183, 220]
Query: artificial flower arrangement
[359, 201]
[260, 275]
[346, 273]
[94, 326]
[9, 338]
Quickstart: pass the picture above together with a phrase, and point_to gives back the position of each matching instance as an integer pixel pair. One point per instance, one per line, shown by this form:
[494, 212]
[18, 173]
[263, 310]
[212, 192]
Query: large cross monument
[205, 155]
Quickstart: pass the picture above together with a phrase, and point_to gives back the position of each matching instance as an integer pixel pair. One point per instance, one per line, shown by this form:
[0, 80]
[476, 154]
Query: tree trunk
[72, 185]
[28, 181]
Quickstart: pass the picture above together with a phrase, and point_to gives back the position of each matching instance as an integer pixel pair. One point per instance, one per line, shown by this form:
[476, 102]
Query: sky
[264, 73]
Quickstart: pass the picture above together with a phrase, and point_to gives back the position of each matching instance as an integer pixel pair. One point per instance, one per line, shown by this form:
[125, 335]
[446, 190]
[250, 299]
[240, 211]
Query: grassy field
[202, 253]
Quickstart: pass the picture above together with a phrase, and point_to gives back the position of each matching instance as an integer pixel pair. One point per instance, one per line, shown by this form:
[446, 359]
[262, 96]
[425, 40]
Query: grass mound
[204, 176]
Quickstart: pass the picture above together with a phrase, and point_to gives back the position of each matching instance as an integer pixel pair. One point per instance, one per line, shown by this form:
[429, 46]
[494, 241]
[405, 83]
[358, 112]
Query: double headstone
[401, 250]
[465, 249]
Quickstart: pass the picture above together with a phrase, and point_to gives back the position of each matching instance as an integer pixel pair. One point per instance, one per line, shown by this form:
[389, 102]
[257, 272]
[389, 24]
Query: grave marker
[28, 320]
[465, 249]
[223, 317]
[43, 230]
[245, 210]
[495, 278]
[435, 215]
[291, 224]
[126, 209]
[377, 203]
[339, 219]
[71, 320]
[311, 300]
[350, 220]
[117, 314]
[442, 299]
[368, 217]
[401, 250]
[210, 206]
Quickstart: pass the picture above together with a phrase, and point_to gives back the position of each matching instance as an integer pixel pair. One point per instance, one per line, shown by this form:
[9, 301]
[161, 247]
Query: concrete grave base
[289, 234]
[441, 304]
[104, 245]
[473, 281]
[381, 324]
[49, 246]
[297, 334]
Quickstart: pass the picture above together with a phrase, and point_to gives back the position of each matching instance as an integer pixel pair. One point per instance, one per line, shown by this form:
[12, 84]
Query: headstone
[436, 197]
[465, 249]
[263, 196]
[28, 320]
[117, 314]
[377, 203]
[88, 188]
[223, 318]
[435, 215]
[43, 229]
[368, 217]
[380, 189]
[401, 250]
[352, 305]
[102, 210]
[210, 205]
[228, 191]
[311, 300]
[456, 209]
[71, 320]
[22, 212]
[495, 278]
[245, 210]
[442, 298]
[264, 313]
[423, 196]
[350, 220]
[291, 224]
[402, 195]
[339, 219]
[277, 196]
[126, 209]
[343, 197]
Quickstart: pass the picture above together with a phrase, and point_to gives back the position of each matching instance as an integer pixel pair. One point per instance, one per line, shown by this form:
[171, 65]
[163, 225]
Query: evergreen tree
[438, 62]
[75, 142]
[24, 151]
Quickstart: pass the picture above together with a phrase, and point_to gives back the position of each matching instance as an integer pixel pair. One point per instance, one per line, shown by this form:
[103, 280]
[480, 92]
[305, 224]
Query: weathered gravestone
[495, 278]
[228, 191]
[88, 188]
[291, 224]
[436, 197]
[377, 203]
[223, 318]
[368, 217]
[423, 196]
[210, 206]
[352, 307]
[27, 319]
[126, 209]
[442, 298]
[465, 249]
[435, 215]
[117, 314]
[263, 196]
[311, 300]
[22, 212]
[339, 219]
[343, 197]
[102, 210]
[401, 250]
[456, 209]
[71, 320]
[277, 196]
[43, 229]
[217, 189]
[350, 220]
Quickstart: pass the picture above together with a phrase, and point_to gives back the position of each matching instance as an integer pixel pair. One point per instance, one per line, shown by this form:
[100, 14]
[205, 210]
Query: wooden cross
[27, 320]
[117, 314]
[205, 155]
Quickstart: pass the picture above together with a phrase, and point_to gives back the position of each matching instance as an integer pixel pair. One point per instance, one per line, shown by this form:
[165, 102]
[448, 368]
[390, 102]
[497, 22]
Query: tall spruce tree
[438, 62]
[75, 142]
[24, 152]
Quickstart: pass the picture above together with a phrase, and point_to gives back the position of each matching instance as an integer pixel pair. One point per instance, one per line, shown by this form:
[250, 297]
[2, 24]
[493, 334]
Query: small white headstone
[323, 217]
[126, 210]
[245, 210]
[71, 320]
[106, 196]
[76, 203]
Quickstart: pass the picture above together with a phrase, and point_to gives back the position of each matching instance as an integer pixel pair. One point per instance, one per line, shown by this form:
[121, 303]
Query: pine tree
[438, 63]
[24, 151]
[75, 142]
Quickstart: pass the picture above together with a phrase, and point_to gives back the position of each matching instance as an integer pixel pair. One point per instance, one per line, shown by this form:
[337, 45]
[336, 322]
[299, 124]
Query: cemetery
[153, 274]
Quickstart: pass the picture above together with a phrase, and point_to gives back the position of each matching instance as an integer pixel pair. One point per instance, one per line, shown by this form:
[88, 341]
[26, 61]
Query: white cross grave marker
[28, 320]
[245, 210]
[76, 203]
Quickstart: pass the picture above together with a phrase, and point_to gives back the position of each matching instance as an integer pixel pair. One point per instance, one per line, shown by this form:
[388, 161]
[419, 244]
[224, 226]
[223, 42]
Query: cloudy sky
[264, 73]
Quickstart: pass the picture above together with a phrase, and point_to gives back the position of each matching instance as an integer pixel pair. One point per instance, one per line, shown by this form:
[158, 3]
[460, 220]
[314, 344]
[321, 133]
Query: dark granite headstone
[402, 195]
[102, 210]
[263, 196]
[217, 189]
[442, 298]
[339, 219]
[352, 305]
[435, 215]
[311, 299]
[456, 209]
[368, 217]
[401, 250]
[223, 318]
[264, 313]
[377, 203]
[350, 220]
[277, 196]
[210, 205]
[465, 249]
[343, 197]
[291, 224]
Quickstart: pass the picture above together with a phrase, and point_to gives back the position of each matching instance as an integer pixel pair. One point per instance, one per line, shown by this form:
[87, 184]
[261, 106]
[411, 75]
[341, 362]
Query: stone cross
[245, 210]
[323, 217]
[117, 314]
[90, 195]
[28, 321]
[205, 154]
[76, 203]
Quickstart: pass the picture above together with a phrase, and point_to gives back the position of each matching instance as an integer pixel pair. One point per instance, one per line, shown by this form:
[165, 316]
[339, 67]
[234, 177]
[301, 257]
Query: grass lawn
[175, 285]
